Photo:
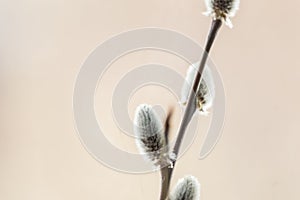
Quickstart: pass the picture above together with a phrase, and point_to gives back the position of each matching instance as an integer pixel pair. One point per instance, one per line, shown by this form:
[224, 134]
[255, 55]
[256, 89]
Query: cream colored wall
[43, 44]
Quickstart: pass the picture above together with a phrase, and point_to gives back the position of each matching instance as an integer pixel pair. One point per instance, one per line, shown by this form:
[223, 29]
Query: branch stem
[166, 172]
[191, 104]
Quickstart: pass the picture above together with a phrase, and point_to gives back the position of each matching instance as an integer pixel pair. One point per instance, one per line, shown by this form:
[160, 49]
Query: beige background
[42, 46]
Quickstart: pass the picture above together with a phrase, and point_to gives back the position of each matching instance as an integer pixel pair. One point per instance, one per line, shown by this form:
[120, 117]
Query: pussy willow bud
[222, 9]
[150, 136]
[206, 91]
[187, 188]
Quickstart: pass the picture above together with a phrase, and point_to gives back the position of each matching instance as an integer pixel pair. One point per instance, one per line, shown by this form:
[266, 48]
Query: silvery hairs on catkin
[206, 92]
[150, 136]
[187, 188]
[222, 9]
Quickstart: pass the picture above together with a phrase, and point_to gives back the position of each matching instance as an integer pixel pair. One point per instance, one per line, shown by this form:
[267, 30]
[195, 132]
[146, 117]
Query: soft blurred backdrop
[42, 46]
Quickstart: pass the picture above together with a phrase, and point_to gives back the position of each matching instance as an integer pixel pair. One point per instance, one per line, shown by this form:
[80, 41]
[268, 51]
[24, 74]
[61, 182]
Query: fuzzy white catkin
[222, 9]
[206, 92]
[187, 188]
[150, 137]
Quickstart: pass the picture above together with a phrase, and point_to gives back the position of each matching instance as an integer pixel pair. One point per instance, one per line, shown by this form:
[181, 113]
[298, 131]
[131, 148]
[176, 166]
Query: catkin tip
[187, 188]
[222, 9]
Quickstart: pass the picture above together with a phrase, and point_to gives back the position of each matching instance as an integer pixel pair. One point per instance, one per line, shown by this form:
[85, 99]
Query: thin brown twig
[166, 172]
[191, 103]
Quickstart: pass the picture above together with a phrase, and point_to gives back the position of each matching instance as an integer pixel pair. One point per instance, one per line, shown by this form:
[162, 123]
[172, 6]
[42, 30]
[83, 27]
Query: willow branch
[191, 103]
[166, 172]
